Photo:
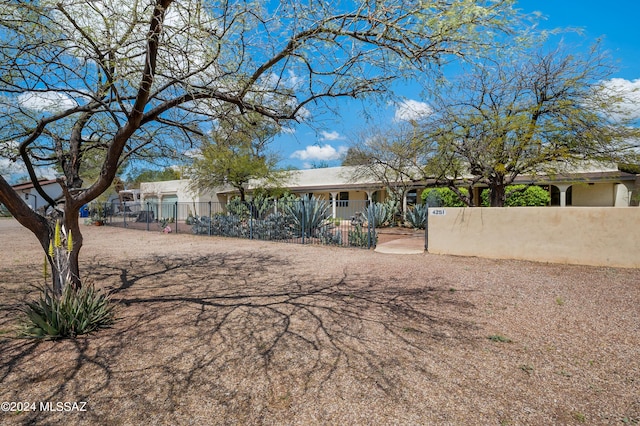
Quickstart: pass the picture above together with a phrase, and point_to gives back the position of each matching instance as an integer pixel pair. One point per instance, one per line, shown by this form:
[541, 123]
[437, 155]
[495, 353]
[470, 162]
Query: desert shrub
[275, 226]
[359, 237]
[200, 224]
[521, 196]
[73, 313]
[444, 197]
[228, 226]
[286, 200]
[417, 216]
[393, 210]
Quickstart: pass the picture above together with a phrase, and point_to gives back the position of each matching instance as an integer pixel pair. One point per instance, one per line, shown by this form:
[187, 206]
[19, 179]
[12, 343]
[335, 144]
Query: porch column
[370, 193]
[334, 203]
[563, 194]
[404, 205]
[622, 194]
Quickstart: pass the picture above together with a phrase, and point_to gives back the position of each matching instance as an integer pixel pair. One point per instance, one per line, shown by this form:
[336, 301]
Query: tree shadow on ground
[250, 332]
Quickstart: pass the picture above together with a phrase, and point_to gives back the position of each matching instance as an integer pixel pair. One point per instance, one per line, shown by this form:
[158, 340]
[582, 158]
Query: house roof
[30, 185]
[352, 178]
[323, 179]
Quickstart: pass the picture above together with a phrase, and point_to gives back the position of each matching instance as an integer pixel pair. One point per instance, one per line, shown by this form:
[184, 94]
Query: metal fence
[302, 221]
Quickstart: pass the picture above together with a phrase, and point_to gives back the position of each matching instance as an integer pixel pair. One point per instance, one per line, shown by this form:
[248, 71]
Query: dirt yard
[233, 332]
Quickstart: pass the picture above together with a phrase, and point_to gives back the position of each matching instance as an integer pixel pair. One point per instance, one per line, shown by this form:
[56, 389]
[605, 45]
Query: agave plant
[417, 216]
[308, 214]
[377, 214]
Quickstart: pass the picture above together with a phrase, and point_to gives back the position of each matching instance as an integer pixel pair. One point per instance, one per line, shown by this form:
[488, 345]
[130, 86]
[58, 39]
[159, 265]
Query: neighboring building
[161, 199]
[32, 198]
[590, 186]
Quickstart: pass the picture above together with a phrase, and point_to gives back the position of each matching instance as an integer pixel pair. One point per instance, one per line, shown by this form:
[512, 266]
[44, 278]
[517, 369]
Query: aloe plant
[70, 314]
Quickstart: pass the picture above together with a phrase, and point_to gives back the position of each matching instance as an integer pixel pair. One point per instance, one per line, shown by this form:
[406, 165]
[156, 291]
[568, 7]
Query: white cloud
[409, 109]
[629, 91]
[321, 153]
[46, 101]
[331, 136]
[13, 171]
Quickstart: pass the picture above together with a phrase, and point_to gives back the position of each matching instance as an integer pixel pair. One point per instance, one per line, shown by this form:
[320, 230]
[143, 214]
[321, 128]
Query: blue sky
[615, 22]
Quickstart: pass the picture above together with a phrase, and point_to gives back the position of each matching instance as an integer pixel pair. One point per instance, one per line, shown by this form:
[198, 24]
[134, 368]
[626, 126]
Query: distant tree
[136, 176]
[234, 154]
[391, 156]
[527, 115]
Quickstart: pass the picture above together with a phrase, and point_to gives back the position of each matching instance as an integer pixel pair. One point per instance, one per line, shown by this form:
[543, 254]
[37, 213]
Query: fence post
[426, 230]
[304, 230]
[209, 218]
[124, 214]
[175, 215]
[251, 221]
[148, 214]
[371, 226]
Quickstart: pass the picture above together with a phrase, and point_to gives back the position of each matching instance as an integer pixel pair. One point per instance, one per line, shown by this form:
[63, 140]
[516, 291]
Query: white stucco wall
[34, 200]
[595, 195]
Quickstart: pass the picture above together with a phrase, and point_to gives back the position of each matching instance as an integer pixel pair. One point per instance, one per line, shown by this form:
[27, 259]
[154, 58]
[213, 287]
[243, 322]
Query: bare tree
[393, 156]
[116, 80]
[527, 115]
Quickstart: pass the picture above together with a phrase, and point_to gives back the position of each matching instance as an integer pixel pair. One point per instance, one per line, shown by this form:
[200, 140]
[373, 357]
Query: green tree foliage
[236, 153]
[444, 197]
[521, 196]
[136, 176]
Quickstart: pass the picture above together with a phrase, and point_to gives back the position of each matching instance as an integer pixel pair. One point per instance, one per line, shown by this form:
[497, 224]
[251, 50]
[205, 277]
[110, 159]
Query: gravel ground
[223, 331]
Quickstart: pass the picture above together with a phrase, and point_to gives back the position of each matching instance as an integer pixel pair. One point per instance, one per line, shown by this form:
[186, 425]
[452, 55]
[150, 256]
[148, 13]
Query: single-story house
[591, 185]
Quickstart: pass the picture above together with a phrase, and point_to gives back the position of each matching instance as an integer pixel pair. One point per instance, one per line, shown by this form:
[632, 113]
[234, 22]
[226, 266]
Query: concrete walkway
[413, 244]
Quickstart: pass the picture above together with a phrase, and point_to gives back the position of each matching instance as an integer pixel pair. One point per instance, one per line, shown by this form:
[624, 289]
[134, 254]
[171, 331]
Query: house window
[343, 199]
[412, 197]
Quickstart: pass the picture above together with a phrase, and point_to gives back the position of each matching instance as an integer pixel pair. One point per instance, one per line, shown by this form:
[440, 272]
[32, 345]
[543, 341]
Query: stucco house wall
[32, 198]
[593, 194]
[157, 196]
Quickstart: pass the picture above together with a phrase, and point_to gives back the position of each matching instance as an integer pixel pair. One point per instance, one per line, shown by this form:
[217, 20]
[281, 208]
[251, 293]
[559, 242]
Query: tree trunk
[44, 228]
[65, 268]
[497, 192]
[71, 221]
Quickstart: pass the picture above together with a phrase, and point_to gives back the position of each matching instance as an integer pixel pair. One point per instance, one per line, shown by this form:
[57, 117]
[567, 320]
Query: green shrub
[444, 197]
[262, 205]
[521, 196]
[71, 314]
